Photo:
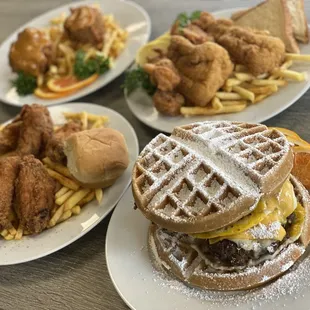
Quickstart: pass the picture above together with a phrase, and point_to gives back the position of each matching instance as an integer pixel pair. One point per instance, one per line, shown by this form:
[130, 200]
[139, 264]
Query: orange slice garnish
[301, 168]
[69, 83]
[287, 132]
[45, 93]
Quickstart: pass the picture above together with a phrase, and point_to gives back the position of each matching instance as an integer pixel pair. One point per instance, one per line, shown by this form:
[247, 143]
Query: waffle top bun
[209, 174]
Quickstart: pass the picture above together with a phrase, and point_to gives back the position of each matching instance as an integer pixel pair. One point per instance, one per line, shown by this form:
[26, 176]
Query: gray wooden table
[77, 276]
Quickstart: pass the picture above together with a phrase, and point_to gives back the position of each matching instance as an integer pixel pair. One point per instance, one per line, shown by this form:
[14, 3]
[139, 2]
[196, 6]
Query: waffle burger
[226, 212]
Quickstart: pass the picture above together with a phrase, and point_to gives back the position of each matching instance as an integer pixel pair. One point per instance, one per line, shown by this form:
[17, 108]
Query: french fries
[76, 210]
[87, 199]
[246, 94]
[228, 96]
[76, 198]
[90, 117]
[243, 77]
[61, 192]
[57, 167]
[189, 111]
[61, 200]
[99, 194]
[297, 57]
[63, 180]
[292, 75]
[269, 82]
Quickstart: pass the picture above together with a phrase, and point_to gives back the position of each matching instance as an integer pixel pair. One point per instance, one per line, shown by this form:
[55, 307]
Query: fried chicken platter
[208, 66]
[67, 55]
[49, 172]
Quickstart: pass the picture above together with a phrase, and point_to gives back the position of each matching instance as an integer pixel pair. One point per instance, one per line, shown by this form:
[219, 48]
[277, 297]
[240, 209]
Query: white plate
[130, 16]
[142, 288]
[141, 104]
[52, 240]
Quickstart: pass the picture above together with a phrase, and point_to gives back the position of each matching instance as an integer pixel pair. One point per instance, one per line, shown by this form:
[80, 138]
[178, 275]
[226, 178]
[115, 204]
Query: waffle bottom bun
[175, 254]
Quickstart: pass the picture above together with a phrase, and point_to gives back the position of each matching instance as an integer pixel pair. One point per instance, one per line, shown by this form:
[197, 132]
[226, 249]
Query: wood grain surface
[77, 276]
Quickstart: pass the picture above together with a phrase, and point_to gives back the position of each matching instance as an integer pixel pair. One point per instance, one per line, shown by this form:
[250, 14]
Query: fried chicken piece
[260, 53]
[31, 53]
[55, 146]
[85, 25]
[203, 68]
[191, 32]
[163, 74]
[34, 190]
[168, 102]
[36, 128]
[9, 137]
[8, 172]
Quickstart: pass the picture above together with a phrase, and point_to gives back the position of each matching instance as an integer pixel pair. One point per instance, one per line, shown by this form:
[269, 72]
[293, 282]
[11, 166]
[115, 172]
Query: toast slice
[299, 20]
[274, 16]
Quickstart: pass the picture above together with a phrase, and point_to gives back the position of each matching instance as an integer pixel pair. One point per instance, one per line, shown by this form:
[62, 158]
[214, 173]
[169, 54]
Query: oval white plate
[130, 16]
[52, 240]
[141, 105]
[141, 288]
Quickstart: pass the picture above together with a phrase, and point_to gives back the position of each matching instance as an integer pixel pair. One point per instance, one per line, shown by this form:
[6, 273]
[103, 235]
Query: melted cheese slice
[264, 223]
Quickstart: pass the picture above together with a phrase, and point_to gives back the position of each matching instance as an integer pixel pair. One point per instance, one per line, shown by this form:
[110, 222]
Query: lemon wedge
[148, 50]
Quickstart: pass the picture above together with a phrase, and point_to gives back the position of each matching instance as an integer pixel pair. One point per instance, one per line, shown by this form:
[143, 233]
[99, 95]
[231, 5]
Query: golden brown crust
[214, 213]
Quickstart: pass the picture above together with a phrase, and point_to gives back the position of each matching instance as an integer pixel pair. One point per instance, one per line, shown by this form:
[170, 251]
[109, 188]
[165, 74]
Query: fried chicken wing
[55, 146]
[36, 128]
[259, 52]
[34, 190]
[85, 25]
[203, 68]
[163, 74]
[8, 172]
[168, 102]
[9, 137]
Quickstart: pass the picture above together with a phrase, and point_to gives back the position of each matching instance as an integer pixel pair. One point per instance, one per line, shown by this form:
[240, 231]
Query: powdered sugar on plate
[295, 282]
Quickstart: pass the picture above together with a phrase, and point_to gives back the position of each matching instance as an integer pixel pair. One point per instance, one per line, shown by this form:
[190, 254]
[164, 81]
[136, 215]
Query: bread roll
[97, 157]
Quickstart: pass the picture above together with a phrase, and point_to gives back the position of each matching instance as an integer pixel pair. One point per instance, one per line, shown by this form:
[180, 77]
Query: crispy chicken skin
[203, 68]
[55, 146]
[166, 77]
[34, 190]
[85, 25]
[36, 129]
[168, 102]
[163, 74]
[191, 32]
[260, 53]
[9, 167]
[31, 52]
[9, 137]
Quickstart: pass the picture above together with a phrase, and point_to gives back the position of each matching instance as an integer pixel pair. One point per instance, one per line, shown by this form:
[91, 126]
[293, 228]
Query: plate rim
[66, 6]
[257, 120]
[93, 225]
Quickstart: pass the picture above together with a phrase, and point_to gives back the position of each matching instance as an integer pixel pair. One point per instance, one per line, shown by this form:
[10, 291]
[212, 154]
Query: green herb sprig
[85, 68]
[25, 83]
[138, 78]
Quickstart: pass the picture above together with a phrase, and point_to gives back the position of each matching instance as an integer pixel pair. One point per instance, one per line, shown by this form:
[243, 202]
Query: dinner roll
[96, 157]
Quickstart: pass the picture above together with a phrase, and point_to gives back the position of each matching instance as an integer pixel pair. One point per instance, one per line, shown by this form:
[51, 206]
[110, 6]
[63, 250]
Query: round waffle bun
[209, 174]
[179, 255]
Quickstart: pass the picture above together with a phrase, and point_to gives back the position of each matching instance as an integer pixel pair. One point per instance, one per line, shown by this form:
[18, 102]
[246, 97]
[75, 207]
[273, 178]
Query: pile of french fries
[64, 51]
[72, 196]
[243, 89]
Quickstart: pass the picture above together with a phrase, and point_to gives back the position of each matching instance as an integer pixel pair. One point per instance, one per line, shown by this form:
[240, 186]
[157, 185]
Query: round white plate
[141, 287]
[141, 105]
[52, 240]
[130, 16]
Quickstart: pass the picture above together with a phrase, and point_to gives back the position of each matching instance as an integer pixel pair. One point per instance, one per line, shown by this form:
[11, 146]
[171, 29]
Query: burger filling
[261, 235]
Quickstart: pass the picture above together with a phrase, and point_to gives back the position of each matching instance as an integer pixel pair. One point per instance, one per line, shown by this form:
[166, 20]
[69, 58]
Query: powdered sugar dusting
[262, 231]
[293, 283]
